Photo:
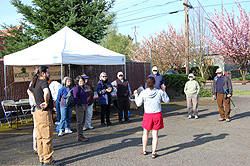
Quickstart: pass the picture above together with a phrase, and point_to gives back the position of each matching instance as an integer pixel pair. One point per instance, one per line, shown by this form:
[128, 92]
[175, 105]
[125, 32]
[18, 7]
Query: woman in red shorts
[152, 118]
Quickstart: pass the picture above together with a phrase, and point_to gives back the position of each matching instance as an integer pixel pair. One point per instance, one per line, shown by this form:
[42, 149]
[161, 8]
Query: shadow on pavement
[198, 140]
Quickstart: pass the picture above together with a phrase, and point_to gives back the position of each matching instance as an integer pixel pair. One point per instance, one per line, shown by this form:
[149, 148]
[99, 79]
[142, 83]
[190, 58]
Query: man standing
[123, 92]
[158, 78]
[54, 87]
[222, 90]
[40, 93]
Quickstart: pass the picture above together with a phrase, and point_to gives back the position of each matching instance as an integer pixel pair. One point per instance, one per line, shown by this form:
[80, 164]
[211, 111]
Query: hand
[136, 92]
[213, 96]
[229, 95]
[109, 89]
[163, 87]
[43, 105]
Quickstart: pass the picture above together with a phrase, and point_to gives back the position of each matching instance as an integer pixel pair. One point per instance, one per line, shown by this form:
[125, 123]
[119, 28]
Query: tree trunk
[243, 73]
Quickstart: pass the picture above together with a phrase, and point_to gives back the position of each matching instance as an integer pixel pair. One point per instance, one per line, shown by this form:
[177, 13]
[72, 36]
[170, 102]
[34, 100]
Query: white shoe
[60, 133]
[67, 130]
[196, 117]
[57, 123]
[90, 127]
[189, 117]
[84, 128]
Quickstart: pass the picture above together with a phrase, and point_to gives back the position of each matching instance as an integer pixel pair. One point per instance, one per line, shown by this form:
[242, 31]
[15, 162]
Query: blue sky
[150, 16]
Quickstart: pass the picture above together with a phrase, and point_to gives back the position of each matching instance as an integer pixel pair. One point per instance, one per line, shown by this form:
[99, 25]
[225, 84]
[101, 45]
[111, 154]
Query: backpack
[70, 101]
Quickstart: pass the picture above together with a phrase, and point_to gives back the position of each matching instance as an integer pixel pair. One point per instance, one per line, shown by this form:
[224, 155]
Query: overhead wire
[147, 18]
[132, 6]
[149, 7]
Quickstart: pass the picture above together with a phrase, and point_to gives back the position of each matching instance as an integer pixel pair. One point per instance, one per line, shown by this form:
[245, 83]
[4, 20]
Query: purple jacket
[80, 98]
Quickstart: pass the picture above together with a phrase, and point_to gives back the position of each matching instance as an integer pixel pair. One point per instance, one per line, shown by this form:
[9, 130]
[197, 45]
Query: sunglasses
[104, 76]
[154, 70]
[120, 75]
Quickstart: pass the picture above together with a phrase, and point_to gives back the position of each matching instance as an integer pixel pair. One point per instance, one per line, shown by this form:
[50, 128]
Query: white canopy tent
[64, 47]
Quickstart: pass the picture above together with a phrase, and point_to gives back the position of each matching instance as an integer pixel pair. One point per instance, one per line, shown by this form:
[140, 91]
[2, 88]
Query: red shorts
[152, 121]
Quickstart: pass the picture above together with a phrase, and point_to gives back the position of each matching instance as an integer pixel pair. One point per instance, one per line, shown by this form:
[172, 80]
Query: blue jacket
[103, 95]
[158, 80]
[227, 84]
[61, 96]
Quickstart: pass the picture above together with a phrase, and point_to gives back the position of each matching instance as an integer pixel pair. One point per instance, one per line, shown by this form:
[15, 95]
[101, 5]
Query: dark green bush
[195, 70]
[177, 83]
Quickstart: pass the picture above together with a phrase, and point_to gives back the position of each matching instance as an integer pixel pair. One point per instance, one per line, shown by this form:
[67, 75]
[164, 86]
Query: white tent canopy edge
[64, 47]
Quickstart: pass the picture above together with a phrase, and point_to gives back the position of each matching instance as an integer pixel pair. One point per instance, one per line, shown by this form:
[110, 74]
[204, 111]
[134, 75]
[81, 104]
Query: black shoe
[52, 163]
[128, 120]
[103, 125]
[109, 124]
[120, 121]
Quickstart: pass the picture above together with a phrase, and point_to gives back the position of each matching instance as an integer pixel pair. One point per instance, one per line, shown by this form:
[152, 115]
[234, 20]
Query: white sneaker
[84, 128]
[60, 133]
[189, 117]
[67, 130]
[57, 123]
[196, 117]
[90, 127]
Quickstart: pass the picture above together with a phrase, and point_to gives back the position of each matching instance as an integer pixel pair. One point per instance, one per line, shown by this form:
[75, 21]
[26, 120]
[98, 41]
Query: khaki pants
[192, 104]
[44, 126]
[220, 100]
[34, 134]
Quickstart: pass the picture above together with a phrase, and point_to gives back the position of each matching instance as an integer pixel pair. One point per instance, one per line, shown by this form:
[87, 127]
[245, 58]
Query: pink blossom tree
[232, 37]
[167, 50]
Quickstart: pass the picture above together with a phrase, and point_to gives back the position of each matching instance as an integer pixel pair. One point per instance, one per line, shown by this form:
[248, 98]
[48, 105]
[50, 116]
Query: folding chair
[25, 111]
[6, 104]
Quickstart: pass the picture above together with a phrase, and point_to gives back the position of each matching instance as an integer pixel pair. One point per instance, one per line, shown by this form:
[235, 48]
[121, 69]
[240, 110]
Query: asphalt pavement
[183, 142]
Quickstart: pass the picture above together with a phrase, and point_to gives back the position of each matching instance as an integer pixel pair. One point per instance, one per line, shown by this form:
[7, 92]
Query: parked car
[172, 72]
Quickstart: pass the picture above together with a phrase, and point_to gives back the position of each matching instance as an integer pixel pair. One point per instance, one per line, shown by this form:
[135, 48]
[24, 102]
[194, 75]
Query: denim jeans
[89, 113]
[65, 117]
[58, 112]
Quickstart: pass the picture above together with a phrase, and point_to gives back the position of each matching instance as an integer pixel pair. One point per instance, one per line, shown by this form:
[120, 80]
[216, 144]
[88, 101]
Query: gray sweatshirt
[192, 88]
[152, 100]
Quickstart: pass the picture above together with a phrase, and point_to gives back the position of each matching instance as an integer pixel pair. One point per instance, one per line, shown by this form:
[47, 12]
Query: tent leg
[61, 73]
[5, 83]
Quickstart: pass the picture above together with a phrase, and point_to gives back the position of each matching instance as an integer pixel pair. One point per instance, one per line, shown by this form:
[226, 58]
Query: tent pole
[69, 71]
[5, 82]
[61, 73]
[125, 71]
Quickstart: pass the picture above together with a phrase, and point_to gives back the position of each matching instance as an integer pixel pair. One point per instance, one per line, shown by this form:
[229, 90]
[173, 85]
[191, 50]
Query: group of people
[83, 93]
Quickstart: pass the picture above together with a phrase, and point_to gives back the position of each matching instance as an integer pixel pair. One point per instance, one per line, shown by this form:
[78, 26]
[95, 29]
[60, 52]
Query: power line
[132, 6]
[223, 4]
[150, 7]
[151, 17]
[145, 17]
[203, 8]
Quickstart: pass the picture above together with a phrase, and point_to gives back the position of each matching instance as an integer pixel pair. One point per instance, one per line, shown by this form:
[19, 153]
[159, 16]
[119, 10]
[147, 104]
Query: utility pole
[187, 36]
[135, 35]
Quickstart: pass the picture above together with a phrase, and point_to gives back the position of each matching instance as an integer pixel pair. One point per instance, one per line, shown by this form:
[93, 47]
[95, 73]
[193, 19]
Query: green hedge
[195, 70]
[177, 83]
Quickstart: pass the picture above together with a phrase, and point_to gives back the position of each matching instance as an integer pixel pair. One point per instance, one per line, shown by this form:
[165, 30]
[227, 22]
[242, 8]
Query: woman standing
[191, 90]
[104, 89]
[66, 112]
[90, 97]
[152, 118]
[80, 97]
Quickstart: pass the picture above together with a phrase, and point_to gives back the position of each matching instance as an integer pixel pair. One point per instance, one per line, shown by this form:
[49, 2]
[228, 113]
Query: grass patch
[244, 92]
[240, 78]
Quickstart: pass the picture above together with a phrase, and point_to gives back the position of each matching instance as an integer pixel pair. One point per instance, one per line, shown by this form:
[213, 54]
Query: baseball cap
[119, 73]
[191, 75]
[154, 68]
[85, 76]
[219, 70]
